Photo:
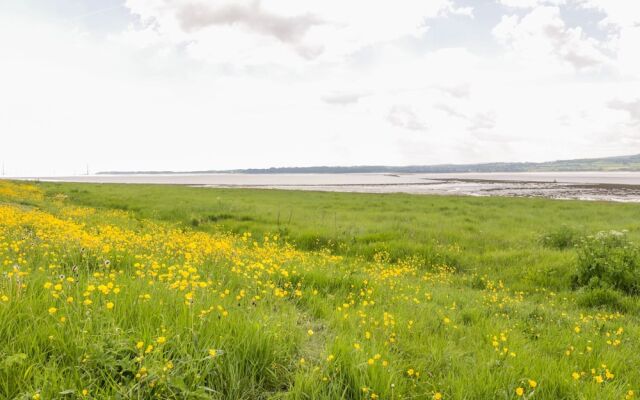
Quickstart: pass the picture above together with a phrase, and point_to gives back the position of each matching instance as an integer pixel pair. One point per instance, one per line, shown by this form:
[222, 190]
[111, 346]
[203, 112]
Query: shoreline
[569, 186]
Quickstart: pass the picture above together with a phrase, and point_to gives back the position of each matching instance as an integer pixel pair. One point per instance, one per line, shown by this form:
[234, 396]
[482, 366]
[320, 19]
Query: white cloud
[290, 30]
[622, 21]
[530, 3]
[620, 13]
[404, 117]
[542, 34]
[312, 29]
[343, 98]
[632, 107]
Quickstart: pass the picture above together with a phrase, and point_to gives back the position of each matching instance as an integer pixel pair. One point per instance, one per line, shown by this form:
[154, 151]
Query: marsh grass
[561, 238]
[379, 296]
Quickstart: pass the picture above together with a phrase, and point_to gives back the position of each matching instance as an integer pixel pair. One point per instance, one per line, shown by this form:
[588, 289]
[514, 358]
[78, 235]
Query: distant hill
[620, 163]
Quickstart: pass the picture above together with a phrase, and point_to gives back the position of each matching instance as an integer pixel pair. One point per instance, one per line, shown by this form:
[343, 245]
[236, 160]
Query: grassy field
[137, 291]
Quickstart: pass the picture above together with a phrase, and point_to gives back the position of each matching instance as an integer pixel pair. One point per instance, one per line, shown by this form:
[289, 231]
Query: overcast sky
[216, 84]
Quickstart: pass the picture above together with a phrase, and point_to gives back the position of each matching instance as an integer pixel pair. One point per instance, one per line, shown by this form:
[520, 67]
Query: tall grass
[365, 297]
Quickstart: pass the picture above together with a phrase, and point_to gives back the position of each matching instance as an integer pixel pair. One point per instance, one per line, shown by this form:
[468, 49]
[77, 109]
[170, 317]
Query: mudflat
[611, 186]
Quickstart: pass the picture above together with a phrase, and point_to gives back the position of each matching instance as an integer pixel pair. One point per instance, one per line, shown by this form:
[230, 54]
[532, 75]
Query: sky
[222, 84]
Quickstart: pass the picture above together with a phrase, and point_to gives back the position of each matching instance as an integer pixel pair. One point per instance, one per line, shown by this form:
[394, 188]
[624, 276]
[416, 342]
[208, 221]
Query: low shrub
[561, 238]
[608, 260]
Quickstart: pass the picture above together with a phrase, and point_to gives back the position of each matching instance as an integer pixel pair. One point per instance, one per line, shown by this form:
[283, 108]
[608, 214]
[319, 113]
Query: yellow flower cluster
[20, 191]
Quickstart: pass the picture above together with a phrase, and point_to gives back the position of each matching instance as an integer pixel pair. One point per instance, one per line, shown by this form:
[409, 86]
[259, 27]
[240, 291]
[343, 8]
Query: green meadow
[158, 291]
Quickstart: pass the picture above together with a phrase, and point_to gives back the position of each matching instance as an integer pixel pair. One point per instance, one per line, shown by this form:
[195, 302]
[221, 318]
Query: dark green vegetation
[609, 260]
[620, 163]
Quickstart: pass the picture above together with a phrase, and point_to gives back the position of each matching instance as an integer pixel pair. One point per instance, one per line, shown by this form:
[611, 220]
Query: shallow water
[613, 186]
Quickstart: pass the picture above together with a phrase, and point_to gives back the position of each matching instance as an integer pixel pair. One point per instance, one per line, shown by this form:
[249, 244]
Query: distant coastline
[619, 163]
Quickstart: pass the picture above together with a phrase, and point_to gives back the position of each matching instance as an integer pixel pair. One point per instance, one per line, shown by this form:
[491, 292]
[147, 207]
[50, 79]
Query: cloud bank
[192, 84]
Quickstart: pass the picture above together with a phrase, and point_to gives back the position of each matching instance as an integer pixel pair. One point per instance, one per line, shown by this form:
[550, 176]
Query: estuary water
[610, 186]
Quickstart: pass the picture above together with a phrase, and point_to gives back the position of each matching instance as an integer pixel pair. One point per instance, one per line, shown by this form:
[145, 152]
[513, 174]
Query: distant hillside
[620, 163]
